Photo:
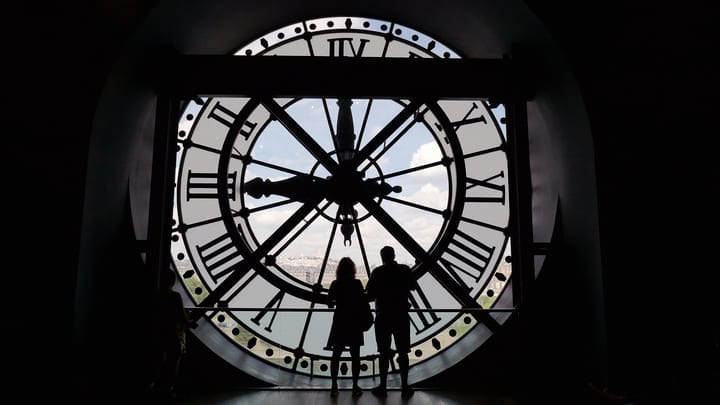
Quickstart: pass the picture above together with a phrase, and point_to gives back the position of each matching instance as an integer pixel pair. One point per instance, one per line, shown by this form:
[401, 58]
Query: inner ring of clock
[343, 189]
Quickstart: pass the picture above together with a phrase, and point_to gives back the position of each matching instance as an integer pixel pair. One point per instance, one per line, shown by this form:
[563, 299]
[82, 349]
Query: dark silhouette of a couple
[389, 286]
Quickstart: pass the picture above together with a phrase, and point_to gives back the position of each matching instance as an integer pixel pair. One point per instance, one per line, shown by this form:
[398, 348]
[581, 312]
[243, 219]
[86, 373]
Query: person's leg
[402, 343]
[355, 368]
[382, 337]
[334, 366]
[173, 370]
[404, 363]
[355, 364]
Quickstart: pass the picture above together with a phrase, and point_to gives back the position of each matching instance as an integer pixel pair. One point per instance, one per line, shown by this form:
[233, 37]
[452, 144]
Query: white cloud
[273, 217]
[427, 153]
[424, 229]
[430, 196]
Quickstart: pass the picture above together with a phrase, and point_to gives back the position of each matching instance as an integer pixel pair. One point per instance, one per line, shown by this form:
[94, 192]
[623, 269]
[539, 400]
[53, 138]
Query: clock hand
[298, 188]
[344, 133]
[344, 190]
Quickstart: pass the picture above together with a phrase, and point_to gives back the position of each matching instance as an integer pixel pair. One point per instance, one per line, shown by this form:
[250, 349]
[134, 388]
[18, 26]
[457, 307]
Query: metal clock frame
[185, 77]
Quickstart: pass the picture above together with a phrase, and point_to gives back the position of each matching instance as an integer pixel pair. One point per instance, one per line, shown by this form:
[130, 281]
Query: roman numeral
[205, 185]
[346, 47]
[466, 120]
[274, 303]
[486, 185]
[421, 321]
[227, 117]
[458, 124]
[219, 256]
[466, 255]
[222, 114]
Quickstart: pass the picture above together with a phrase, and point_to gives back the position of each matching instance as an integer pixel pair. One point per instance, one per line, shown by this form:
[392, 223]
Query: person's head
[387, 254]
[167, 279]
[345, 269]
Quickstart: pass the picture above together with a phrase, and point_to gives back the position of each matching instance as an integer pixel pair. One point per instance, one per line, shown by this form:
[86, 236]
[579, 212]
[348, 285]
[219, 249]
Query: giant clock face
[271, 192]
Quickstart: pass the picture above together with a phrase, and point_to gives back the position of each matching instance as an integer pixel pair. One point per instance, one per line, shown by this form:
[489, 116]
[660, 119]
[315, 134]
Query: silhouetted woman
[171, 323]
[346, 295]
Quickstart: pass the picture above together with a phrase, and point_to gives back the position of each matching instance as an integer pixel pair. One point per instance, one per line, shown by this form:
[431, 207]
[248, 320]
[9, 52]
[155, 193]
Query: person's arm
[360, 290]
[412, 282]
[332, 295]
[370, 288]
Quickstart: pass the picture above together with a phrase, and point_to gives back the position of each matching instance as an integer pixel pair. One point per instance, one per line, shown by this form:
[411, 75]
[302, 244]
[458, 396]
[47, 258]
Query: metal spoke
[387, 146]
[414, 205]
[410, 170]
[329, 246]
[329, 122]
[399, 233]
[364, 123]
[362, 248]
[301, 343]
[264, 207]
[242, 267]
[241, 287]
[300, 134]
[386, 132]
[278, 168]
[302, 228]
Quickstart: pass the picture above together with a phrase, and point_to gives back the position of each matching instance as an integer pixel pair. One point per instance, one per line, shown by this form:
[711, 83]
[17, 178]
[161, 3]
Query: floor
[288, 396]
[322, 397]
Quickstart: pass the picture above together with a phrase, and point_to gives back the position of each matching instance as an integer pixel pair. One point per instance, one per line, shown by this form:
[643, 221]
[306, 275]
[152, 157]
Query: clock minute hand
[297, 188]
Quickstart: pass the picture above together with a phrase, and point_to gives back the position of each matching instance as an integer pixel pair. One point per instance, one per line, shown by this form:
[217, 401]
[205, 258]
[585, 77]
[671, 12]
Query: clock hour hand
[297, 188]
[344, 135]
[381, 189]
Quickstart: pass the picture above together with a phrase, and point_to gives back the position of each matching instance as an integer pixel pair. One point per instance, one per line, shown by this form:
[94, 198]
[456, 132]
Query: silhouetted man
[389, 285]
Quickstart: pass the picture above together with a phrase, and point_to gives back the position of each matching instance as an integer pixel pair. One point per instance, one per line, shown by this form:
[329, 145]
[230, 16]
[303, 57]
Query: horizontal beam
[452, 310]
[188, 76]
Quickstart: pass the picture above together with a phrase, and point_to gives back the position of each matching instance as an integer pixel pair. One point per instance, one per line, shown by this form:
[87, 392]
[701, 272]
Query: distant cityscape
[307, 269]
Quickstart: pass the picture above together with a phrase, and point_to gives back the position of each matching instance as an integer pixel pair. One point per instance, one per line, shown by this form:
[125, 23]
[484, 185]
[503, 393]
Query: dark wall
[649, 87]
[646, 74]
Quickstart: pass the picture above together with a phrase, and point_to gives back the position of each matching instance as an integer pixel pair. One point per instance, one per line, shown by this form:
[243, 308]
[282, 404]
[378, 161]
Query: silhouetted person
[390, 285]
[170, 325]
[346, 294]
